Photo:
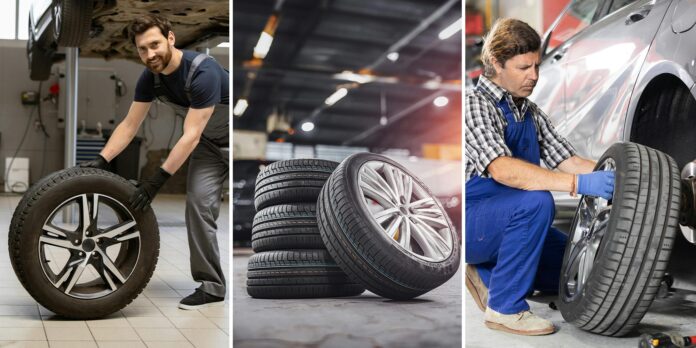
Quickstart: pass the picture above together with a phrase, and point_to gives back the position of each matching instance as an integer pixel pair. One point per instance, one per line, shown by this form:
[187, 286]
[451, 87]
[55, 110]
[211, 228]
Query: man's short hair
[144, 23]
[508, 38]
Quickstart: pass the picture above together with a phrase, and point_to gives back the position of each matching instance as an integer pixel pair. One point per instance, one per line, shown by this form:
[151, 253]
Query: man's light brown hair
[508, 38]
[144, 23]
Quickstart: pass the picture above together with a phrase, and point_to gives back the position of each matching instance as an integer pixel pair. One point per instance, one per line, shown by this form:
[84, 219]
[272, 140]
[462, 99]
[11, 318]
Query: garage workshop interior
[348, 173]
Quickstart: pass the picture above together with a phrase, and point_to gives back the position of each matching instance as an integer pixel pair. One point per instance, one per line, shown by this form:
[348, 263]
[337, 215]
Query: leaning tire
[385, 229]
[291, 181]
[82, 270]
[618, 250]
[297, 274]
[72, 22]
[288, 226]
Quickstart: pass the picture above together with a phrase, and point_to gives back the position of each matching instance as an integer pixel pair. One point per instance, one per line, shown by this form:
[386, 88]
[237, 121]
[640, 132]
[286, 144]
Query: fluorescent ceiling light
[440, 101]
[393, 56]
[240, 107]
[336, 96]
[451, 29]
[307, 126]
[225, 44]
[263, 46]
[353, 77]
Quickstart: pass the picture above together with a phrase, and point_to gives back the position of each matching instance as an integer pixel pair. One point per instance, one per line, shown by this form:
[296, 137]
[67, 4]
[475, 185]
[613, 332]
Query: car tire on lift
[618, 250]
[286, 226]
[291, 181]
[120, 245]
[40, 61]
[385, 229]
[72, 22]
[297, 274]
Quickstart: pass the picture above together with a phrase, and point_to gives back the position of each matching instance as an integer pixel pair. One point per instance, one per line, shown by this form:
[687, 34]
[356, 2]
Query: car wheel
[77, 248]
[288, 226]
[618, 250]
[385, 229]
[297, 274]
[291, 181]
[72, 20]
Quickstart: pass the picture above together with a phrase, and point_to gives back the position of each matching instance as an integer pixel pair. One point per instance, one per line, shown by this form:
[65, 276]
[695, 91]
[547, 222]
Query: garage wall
[97, 103]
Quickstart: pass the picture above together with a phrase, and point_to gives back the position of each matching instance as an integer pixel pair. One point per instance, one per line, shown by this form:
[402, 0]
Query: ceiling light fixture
[440, 101]
[308, 126]
[450, 30]
[336, 96]
[393, 56]
[240, 107]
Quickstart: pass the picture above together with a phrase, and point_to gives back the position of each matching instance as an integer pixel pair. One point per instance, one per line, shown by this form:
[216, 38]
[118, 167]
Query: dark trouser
[208, 170]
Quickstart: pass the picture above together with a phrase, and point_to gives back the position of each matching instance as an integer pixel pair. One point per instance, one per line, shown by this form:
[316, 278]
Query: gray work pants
[208, 170]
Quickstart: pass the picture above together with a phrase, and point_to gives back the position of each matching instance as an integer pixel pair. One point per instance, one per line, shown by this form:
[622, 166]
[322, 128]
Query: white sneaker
[523, 323]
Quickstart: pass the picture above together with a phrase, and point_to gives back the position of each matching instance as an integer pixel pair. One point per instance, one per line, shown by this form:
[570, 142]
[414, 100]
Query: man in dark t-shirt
[196, 86]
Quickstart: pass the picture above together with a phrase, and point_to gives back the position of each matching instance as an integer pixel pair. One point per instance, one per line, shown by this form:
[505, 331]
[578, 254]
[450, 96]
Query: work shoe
[200, 299]
[522, 323]
[476, 288]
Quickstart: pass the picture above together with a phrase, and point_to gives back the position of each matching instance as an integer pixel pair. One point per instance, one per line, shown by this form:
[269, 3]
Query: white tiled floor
[152, 320]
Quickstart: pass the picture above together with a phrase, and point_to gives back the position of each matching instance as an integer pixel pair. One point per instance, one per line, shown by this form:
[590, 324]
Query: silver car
[617, 80]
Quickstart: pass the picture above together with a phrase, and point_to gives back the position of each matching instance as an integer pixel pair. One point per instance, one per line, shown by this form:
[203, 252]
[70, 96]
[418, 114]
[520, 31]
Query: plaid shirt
[485, 129]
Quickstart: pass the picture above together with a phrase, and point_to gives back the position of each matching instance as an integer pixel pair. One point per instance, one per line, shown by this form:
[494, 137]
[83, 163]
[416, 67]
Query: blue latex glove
[598, 184]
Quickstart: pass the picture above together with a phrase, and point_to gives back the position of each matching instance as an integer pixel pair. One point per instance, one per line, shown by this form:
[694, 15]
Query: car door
[602, 63]
[549, 93]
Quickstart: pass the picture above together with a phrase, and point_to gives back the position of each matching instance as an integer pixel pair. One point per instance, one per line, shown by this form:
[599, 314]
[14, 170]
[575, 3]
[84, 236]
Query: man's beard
[160, 62]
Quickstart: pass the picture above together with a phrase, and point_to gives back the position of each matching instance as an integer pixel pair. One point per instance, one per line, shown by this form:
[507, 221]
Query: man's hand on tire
[147, 189]
[597, 184]
[99, 163]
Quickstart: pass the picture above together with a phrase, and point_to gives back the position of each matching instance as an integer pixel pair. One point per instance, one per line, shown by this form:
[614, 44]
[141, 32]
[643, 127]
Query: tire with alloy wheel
[291, 181]
[286, 226]
[297, 274]
[72, 20]
[77, 248]
[385, 229]
[618, 250]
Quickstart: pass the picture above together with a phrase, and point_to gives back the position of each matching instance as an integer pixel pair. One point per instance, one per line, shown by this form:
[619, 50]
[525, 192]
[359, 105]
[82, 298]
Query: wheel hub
[88, 245]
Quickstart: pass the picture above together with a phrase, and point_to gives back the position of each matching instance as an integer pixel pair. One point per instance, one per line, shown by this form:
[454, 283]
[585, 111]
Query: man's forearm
[181, 151]
[523, 175]
[577, 165]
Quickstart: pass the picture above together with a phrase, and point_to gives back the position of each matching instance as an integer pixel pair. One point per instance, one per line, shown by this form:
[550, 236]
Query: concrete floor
[431, 320]
[152, 320]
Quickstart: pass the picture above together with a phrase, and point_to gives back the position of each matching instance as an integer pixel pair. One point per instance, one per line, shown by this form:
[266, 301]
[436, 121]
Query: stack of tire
[324, 229]
[290, 259]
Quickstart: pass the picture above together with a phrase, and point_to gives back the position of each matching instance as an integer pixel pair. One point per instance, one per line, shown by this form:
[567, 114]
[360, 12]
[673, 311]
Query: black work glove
[147, 189]
[99, 163]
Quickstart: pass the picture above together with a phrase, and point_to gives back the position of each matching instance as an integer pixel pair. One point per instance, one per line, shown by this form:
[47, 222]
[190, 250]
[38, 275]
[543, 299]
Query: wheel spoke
[95, 208]
[115, 230]
[85, 216]
[389, 175]
[393, 227]
[77, 273]
[433, 222]
[385, 214]
[128, 236]
[423, 202]
[379, 182]
[62, 243]
[409, 189]
[376, 195]
[420, 236]
[109, 265]
[107, 278]
[433, 211]
[405, 238]
[55, 230]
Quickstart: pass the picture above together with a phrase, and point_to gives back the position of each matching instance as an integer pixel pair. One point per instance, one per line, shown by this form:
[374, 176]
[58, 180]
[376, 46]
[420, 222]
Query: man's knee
[538, 202]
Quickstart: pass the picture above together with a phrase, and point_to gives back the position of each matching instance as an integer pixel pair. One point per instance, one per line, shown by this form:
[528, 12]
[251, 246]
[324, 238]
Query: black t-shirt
[209, 86]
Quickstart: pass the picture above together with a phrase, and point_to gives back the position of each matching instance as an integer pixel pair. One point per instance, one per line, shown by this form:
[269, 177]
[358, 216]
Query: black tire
[634, 249]
[288, 226]
[72, 22]
[361, 248]
[40, 59]
[136, 259]
[291, 181]
[297, 274]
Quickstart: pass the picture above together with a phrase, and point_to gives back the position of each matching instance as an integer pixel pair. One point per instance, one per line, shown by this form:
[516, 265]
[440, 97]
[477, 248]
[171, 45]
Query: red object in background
[54, 90]
[551, 10]
[473, 24]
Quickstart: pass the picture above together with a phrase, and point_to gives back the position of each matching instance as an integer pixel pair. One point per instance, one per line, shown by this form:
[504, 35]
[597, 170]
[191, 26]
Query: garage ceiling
[315, 40]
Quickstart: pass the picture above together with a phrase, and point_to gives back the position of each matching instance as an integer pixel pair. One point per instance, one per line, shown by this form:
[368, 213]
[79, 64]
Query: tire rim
[588, 229]
[405, 211]
[89, 259]
[57, 20]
